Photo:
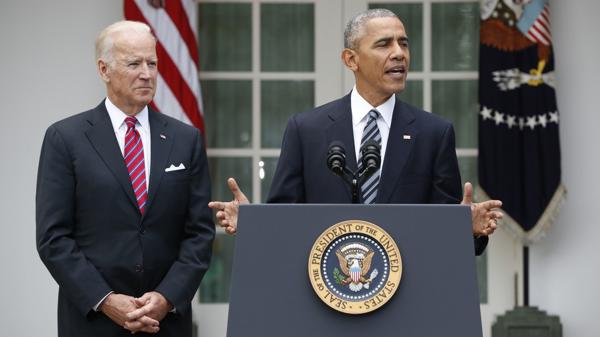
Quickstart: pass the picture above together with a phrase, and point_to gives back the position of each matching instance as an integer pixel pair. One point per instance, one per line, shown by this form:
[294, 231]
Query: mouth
[398, 70]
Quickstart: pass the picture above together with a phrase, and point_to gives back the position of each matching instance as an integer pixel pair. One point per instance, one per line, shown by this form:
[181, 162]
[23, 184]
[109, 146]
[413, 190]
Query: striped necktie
[368, 190]
[134, 159]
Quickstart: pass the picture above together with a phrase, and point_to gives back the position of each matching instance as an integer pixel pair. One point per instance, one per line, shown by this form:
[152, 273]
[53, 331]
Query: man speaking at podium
[418, 155]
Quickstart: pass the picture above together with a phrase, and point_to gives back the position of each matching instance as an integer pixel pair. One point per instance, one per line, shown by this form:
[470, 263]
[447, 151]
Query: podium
[271, 294]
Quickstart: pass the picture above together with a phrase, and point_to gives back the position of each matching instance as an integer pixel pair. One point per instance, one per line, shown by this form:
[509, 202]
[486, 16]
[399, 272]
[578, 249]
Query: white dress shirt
[117, 118]
[360, 112]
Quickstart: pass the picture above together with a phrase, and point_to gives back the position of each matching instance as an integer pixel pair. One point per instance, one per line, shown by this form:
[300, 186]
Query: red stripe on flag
[532, 36]
[178, 86]
[180, 19]
[544, 24]
[545, 13]
[540, 35]
[170, 72]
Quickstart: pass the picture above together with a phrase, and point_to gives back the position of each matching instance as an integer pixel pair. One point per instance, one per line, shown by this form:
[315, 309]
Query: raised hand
[227, 211]
[484, 215]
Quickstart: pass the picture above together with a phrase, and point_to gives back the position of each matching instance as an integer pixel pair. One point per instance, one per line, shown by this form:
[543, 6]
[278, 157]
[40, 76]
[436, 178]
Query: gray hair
[354, 27]
[105, 40]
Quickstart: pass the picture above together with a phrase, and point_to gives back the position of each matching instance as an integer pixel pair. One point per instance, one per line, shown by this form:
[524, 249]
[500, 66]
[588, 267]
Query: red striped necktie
[134, 159]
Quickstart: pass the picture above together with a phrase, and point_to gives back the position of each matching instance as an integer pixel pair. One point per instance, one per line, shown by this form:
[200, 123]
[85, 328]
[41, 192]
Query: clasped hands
[141, 314]
[484, 215]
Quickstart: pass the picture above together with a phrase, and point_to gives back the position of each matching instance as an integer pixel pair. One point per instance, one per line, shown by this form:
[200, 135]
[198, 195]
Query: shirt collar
[360, 108]
[117, 116]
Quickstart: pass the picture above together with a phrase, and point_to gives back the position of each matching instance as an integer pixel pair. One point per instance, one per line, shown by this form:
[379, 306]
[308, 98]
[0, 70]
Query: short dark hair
[354, 27]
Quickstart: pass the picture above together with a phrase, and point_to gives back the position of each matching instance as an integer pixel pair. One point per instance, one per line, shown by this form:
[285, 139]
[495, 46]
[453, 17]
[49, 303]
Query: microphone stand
[357, 178]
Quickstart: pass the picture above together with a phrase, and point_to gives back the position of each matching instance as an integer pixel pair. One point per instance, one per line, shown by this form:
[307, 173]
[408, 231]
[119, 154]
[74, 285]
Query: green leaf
[337, 276]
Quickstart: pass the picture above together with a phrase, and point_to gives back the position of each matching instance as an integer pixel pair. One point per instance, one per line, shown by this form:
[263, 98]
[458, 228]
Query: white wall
[565, 268]
[46, 73]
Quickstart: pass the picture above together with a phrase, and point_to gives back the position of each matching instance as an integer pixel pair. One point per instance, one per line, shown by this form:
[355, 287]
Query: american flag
[535, 23]
[174, 24]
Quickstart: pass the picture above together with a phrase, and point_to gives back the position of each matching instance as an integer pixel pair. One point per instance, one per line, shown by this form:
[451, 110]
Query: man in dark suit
[122, 222]
[419, 164]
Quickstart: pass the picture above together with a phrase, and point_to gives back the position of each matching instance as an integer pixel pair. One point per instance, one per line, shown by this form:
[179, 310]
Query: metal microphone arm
[371, 160]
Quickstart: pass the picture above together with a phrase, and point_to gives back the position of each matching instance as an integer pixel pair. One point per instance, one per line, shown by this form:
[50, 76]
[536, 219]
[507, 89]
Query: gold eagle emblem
[355, 263]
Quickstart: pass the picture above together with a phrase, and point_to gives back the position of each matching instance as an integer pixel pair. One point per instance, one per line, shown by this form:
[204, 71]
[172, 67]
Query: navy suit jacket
[420, 170]
[91, 235]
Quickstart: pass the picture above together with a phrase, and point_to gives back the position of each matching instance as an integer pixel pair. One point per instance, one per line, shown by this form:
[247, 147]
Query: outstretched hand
[484, 215]
[227, 211]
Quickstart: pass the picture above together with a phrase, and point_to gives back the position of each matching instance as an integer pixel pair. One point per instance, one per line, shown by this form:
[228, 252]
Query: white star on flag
[499, 118]
[531, 122]
[553, 117]
[543, 120]
[486, 113]
[511, 121]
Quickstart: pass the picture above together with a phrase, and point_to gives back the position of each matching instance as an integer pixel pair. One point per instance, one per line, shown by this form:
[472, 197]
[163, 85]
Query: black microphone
[371, 155]
[336, 158]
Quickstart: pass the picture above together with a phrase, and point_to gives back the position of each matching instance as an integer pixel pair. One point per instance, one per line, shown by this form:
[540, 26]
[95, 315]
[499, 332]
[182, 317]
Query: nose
[145, 71]
[398, 52]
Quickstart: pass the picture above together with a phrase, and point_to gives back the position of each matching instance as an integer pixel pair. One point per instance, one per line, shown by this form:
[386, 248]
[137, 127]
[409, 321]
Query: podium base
[527, 322]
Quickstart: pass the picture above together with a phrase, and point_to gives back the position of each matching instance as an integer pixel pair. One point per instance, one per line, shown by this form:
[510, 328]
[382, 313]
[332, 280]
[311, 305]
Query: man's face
[381, 60]
[131, 77]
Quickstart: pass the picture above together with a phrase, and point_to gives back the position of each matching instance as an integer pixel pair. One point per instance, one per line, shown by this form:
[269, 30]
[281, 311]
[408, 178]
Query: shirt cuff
[97, 306]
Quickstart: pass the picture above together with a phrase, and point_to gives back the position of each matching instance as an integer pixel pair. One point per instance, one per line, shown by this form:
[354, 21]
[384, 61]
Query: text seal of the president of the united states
[355, 267]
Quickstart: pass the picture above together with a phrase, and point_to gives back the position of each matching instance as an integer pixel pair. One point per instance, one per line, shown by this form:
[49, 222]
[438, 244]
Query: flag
[173, 22]
[519, 149]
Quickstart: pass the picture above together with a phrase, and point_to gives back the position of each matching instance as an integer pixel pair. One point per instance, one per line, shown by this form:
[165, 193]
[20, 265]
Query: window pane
[269, 165]
[225, 36]
[216, 282]
[482, 277]
[287, 37]
[456, 100]
[468, 169]
[412, 18]
[279, 101]
[455, 36]
[222, 168]
[228, 113]
[413, 93]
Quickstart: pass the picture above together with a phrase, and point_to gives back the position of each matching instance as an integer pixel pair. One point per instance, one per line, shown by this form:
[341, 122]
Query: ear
[350, 59]
[103, 70]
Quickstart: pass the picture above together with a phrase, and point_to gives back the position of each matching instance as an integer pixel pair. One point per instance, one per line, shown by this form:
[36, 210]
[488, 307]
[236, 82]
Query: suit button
[139, 268]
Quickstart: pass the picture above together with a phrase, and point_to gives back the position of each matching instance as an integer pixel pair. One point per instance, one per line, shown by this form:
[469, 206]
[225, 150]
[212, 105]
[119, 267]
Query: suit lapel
[162, 142]
[341, 130]
[398, 149]
[102, 136]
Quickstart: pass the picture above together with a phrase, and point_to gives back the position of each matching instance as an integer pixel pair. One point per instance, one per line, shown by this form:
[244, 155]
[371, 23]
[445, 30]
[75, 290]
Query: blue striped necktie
[368, 190]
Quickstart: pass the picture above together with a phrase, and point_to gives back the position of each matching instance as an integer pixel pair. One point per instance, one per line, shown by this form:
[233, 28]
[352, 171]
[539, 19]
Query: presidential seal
[355, 267]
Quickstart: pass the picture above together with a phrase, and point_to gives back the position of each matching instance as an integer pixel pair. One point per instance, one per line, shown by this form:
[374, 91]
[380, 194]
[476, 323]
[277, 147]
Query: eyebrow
[388, 39]
[138, 59]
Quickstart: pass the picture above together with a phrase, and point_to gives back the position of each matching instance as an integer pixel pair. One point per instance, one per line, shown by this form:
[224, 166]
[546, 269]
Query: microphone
[336, 158]
[371, 156]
